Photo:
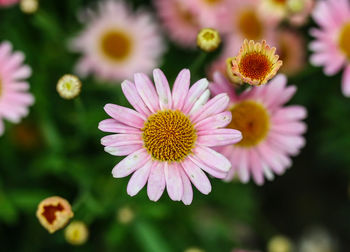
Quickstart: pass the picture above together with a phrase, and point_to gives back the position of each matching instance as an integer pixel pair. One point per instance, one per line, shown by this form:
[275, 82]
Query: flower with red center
[256, 63]
[169, 138]
[54, 213]
[117, 42]
[14, 96]
[271, 131]
[332, 45]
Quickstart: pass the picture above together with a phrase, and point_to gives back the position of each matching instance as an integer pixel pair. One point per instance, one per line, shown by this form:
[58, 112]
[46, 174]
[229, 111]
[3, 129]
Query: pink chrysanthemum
[332, 45]
[169, 138]
[117, 42]
[271, 132]
[8, 2]
[14, 96]
[179, 20]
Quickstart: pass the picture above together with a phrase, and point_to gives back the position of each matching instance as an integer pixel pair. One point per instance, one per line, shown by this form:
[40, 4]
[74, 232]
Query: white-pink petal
[131, 163]
[346, 82]
[216, 121]
[173, 180]
[146, 90]
[194, 93]
[219, 137]
[156, 181]
[187, 195]
[180, 89]
[139, 179]
[133, 97]
[163, 89]
[112, 126]
[125, 115]
[197, 176]
[212, 158]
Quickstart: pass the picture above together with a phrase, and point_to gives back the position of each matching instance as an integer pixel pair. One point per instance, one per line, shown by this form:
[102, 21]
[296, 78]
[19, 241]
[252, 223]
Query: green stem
[198, 63]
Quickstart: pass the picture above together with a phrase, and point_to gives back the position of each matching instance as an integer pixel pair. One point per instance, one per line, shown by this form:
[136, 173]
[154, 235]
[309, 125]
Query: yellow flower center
[116, 45]
[255, 66]
[212, 1]
[250, 25]
[186, 15]
[252, 120]
[50, 212]
[169, 136]
[281, 2]
[344, 40]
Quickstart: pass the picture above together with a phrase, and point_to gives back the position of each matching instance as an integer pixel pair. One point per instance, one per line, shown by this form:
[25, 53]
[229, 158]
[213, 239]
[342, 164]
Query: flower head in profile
[54, 213]
[76, 233]
[332, 45]
[169, 136]
[117, 42]
[271, 131]
[256, 63]
[14, 96]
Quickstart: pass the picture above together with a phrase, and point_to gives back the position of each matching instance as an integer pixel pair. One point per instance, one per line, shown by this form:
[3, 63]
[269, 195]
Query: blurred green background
[56, 150]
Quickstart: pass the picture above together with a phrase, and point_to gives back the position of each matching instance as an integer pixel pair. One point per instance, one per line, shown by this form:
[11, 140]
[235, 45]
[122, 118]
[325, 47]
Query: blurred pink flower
[117, 42]
[8, 2]
[169, 138]
[271, 132]
[14, 96]
[332, 45]
[179, 21]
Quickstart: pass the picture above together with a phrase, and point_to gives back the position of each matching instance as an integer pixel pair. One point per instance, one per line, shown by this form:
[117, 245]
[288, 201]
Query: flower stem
[198, 63]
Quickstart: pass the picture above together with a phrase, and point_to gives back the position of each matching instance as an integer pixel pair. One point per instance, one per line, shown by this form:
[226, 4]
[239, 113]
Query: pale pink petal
[289, 128]
[163, 89]
[202, 100]
[346, 81]
[112, 126]
[214, 106]
[130, 163]
[121, 139]
[187, 188]
[194, 93]
[197, 176]
[125, 115]
[256, 167]
[222, 85]
[156, 181]
[214, 122]
[22, 73]
[133, 97]
[290, 113]
[212, 158]
[210, 170]
[2, 127]
[242, 167]
[123, 150]
[219, 137]
[146, 90]
[180, 89]
[139, 179]
[173, 180]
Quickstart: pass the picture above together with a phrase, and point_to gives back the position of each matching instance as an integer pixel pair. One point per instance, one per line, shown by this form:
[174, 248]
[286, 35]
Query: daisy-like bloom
[332, 45]
[271, 131]
[14, 96]
[8, 2]
[54, 213]
[256, 63]
[179, 21]
[169, 138]
[293, 57]
[68, 86]
[208, 39]
[117, 42]
[76, 233]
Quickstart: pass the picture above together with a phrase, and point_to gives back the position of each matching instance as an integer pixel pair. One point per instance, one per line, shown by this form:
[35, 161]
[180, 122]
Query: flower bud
[68, 86]
[208, 39]
[76, 233]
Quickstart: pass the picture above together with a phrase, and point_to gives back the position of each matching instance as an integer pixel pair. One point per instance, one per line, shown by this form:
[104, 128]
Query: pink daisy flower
[179, 21]
[271, 131]
[117, 42]
[169, 138]
[14, 96]
[332, 45]
[8, 2]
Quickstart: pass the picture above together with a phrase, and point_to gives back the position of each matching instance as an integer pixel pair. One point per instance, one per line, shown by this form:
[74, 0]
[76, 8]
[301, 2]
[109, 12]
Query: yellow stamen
[344, 40]
[252, 119]
[250, 25]
[116, 45]
[169, 136]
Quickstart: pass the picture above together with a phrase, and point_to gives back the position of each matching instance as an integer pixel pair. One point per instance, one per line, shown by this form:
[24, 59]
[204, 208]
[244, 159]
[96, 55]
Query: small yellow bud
[29, 6]
[68, 86]
[279, 244]
[296, 5]
[125, 215]
[76, 233]
[194, 249]
[208, 39]
[54, 213]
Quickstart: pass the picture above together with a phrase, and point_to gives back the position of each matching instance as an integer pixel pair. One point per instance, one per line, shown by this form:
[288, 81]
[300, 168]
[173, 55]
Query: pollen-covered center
[169, 135]
[255, 66]
[282, 2]
[250, 25]
[116, 45]
[252, 120]
[344, 40]
[50, 212]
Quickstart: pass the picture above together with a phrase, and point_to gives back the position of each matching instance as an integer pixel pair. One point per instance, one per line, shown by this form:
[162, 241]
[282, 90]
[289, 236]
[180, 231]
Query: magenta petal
[173, 181]
[125, 115]
[156, 181]
[197, 176]
[139, 179]
[130, 163]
